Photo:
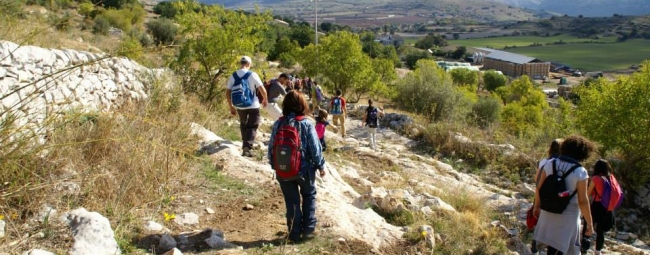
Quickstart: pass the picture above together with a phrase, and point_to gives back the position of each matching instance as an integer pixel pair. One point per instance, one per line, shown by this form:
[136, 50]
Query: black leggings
[598, 214]
[553, 251]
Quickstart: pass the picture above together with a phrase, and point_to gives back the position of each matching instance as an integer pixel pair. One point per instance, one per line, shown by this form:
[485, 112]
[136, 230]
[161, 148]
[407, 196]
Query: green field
[592, 57]
[520, 41]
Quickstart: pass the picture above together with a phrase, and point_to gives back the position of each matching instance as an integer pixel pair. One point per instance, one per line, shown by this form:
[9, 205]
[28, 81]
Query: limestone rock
[2, 228]
[249, 207]
[153, 226]
[92, 233]
[174, 251]
[187, 219]
[437, 204]
[209, 210]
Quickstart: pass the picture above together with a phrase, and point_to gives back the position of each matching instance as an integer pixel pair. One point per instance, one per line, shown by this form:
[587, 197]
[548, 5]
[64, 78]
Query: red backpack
[286, 150]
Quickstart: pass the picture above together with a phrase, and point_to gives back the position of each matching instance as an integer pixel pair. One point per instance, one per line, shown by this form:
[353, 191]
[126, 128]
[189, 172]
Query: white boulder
[92, 233]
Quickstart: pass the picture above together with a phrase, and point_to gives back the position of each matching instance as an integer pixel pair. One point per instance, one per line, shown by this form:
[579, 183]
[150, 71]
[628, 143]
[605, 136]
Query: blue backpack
[319, 94]
[242, 95]
[336, 106]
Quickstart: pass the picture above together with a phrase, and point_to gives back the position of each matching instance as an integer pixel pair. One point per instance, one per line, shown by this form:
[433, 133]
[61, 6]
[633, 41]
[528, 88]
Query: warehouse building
[514, 64]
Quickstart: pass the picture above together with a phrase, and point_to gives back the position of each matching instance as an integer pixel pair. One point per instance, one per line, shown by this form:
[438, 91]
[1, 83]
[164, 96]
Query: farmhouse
[394, 40]
[514, 64]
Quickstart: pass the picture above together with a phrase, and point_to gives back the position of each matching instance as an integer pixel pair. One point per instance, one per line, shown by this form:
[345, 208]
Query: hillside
[350, 12]
[590, 8]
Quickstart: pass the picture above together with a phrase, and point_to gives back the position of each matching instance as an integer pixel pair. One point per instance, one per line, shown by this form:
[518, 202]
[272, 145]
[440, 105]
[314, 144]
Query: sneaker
[310, 235]
[247, 153]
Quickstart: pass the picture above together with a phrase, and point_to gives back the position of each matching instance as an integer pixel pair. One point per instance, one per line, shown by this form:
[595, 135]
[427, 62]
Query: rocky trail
[370, 202]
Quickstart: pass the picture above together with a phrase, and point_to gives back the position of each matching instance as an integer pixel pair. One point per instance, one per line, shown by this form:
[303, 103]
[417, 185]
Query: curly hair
[295, 103]
[577, 147]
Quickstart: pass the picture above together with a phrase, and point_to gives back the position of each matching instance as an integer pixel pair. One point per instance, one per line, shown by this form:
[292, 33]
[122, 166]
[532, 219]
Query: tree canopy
[617, 115]
[214, 40]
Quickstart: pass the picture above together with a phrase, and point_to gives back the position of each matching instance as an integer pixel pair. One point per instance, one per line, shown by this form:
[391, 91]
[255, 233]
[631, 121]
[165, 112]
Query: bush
[464, 77]
[429, 90]
[486, 111]
[412, 58]
[494, 80]
[130, 47]
[165, 9]
[101, 26]
[61, 23]
[10, 7]
[616, 115]
[86, 9]
[525, 105]
[287, 60]
[163, 30]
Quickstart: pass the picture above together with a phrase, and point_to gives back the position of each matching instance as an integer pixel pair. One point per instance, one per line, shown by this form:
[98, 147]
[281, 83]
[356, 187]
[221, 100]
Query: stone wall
[38, 83]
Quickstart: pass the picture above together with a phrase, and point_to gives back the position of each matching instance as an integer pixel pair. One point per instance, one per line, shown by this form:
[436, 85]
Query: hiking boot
[309, 235]
[247, 153]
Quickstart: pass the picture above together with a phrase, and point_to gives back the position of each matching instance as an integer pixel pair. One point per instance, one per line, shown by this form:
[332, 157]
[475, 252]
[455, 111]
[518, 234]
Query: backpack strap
[246, 75]
[567, 173]
[236, 77]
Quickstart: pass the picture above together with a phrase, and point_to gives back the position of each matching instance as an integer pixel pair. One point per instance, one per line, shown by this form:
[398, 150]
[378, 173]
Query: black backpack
[553, 194]
[372, 119]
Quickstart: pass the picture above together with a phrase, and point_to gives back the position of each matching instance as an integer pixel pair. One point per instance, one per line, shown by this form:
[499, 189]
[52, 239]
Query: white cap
[246, 59]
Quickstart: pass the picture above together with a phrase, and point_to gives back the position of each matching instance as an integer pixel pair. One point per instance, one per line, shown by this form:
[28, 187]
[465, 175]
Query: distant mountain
[588, 8]
[361, 12]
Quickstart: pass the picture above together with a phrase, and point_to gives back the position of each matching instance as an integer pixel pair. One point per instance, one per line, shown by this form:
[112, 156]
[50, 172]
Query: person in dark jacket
[301, 217]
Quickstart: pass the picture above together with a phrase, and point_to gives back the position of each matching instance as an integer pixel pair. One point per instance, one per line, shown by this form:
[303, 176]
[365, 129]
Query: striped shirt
[312, 152]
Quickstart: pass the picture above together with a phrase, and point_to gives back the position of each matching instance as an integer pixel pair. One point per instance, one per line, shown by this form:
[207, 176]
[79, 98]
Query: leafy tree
[463, 76]
[377, 80]
[287, 59]
[429, 90]
[494, 80]
[215, 38]
[303, 33]
[163, 30]
[165, 9]
[459, 52]
[326, 26]
[616, 115]
[284, 45]
[524, 109]
[430, 41]
[340, 58]
[456, 36]
[411, 59]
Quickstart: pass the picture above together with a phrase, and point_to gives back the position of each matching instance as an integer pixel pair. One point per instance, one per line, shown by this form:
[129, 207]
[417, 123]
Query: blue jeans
[301, 218]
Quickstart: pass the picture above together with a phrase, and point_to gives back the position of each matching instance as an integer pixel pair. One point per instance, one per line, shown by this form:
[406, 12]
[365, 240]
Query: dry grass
[128, 163]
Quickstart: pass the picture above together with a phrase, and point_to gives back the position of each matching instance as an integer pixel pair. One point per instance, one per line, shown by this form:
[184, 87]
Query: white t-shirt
[580, 174]
[254, 82]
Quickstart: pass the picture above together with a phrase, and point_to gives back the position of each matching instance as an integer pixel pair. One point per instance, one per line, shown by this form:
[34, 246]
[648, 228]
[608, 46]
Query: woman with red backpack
[603, 184]
[295, 153]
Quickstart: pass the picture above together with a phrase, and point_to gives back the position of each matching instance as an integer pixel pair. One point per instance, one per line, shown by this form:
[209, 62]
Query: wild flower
[169, 217]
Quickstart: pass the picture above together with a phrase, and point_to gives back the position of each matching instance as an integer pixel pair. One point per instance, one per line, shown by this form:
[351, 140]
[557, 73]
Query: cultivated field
[592, 57]
[522, 41]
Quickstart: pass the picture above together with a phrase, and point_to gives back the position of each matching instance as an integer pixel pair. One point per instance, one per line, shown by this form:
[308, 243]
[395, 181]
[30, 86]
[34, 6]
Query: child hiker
[371, 120]
[321, 125]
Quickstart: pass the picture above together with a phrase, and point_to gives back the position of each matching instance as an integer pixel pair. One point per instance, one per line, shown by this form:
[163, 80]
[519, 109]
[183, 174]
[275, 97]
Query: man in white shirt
[249, 116]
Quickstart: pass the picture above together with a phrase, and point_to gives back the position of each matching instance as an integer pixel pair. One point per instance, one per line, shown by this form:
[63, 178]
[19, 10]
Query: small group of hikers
[565, 193]
[295, 149]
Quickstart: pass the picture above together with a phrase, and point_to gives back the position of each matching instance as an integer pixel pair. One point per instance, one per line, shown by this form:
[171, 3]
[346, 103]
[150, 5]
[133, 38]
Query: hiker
[603, 217]
[296, 154]
[316, 96]
[338, 111]
[321, 126]
[275, 91]
[243, 87]
[562, 197]
[553, 153]
[371, 120]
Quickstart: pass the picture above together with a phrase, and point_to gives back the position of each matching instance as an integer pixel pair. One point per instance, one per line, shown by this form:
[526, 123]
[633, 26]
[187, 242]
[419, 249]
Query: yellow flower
[2, 217]
[171, 198]
[14, 216]
[424, 233]
[169, 217]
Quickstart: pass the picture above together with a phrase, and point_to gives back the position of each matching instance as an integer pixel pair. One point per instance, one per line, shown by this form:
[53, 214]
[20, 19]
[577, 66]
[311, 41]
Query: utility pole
[316, 20]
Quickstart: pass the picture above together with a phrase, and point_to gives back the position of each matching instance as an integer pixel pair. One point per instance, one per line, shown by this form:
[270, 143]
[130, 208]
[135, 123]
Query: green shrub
[464, 77]
[429, 91]
[101, 25]
[165, 9]
[163, 30]
[130, 48]
[287, 60]
[86, 9]
[411, 59]
[486, 111]
[61, 23]
[494, 80]
[10, 7]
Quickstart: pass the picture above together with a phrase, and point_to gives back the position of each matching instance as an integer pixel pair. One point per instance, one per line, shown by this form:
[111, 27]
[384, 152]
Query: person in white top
[249, 116]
